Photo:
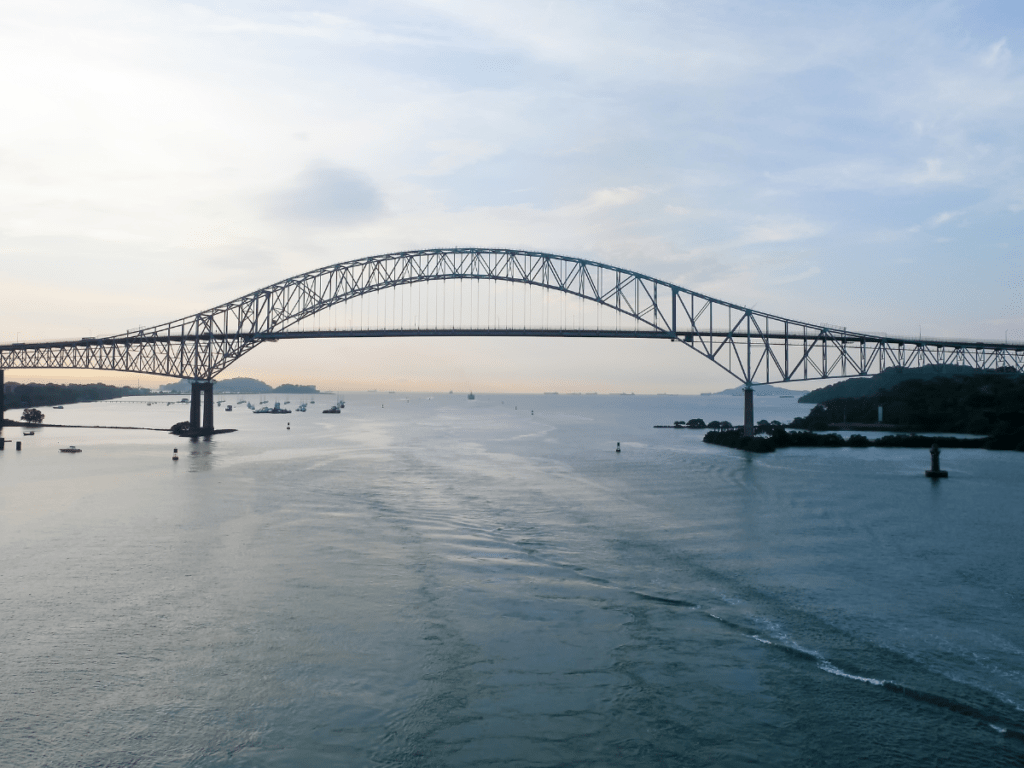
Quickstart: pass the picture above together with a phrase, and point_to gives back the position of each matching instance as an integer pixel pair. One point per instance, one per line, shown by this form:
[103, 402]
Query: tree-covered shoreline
[989, 404]
[983, 403]
[19, 396]
[780, 437]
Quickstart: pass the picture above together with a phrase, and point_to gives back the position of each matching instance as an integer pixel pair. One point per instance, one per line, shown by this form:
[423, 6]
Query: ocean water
[424, 580]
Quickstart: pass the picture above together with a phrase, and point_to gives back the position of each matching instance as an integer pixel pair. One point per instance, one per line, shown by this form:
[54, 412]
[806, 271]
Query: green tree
[32, 416]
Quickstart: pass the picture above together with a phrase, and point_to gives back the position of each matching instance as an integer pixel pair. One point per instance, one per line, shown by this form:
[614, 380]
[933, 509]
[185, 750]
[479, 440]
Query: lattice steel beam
[754, 347]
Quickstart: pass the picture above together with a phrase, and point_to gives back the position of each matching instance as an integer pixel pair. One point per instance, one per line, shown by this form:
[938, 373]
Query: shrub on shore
[781, 438]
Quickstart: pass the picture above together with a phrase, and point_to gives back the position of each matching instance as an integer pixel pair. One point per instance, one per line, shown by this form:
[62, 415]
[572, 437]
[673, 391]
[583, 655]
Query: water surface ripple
[444, 582]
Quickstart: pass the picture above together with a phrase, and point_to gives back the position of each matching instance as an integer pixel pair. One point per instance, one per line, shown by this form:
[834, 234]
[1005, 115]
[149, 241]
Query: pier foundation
[208, 407]
[202, 402]
[193, 415]
[1, 400]
[748, 411]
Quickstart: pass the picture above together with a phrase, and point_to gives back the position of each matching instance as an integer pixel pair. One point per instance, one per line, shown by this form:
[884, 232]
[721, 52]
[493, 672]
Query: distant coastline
[761, 390]
[241, 385]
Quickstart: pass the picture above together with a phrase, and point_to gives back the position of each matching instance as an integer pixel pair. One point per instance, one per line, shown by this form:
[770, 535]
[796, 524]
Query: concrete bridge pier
[208, 407]
[197, 396]
[1, 400]
[748, 411]
[202, 392]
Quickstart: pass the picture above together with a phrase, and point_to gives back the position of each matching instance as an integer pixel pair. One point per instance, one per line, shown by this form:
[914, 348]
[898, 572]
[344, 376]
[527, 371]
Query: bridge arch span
[754, 347]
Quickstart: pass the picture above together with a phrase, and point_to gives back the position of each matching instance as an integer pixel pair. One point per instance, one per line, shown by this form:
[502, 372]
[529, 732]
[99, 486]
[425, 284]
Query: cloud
[997, 52]
[328, 196]
[775, 230]
[602, 199]
[943, 217]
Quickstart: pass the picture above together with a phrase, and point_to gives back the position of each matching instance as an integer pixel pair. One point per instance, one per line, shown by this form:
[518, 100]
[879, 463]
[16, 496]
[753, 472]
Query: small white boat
[58, 407]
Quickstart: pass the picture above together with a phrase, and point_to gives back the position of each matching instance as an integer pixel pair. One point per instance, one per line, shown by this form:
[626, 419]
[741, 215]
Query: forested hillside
[18, 396]
[981, 403]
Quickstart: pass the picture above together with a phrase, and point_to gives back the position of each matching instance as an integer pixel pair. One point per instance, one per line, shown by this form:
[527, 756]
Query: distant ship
[471, 396]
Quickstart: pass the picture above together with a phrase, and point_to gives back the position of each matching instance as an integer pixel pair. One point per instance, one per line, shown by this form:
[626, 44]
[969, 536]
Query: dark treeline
[19, 396]
[871, 385]
[985, 403]
[779, 437]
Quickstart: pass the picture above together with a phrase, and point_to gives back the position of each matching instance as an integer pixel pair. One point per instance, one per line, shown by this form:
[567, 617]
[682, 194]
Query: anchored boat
[276, 409]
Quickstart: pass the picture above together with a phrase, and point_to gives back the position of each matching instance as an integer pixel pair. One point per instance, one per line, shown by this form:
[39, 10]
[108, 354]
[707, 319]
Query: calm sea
[424, 580]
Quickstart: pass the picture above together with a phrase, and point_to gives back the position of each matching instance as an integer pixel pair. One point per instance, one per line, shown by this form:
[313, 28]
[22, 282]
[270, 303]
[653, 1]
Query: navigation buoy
[289, 425]
[935, 471]
[618, 447]
[174, 457]
[17, 446]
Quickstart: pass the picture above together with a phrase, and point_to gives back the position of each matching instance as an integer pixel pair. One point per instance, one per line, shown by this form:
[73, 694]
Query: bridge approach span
[752, 346]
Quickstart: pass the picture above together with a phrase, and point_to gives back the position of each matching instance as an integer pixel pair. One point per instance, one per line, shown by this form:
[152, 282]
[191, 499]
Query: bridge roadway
[754, 347]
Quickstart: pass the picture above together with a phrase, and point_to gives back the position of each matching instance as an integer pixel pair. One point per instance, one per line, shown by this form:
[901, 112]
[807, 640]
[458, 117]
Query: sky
[859, 164]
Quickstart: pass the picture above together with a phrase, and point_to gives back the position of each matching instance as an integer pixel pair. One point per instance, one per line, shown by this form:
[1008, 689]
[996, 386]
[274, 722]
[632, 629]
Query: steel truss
[754, 347]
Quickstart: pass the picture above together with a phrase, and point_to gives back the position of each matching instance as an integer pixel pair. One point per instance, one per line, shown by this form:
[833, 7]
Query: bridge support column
[748, 411]
[193, 416]
[208, 407]
[1, 401]
[202, 402]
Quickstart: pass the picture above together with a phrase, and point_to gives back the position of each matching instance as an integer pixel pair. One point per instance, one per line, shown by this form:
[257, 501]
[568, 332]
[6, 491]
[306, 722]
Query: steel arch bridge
[752, 346]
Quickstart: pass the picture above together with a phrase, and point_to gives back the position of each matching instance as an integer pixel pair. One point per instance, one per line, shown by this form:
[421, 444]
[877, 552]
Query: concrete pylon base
[748, 411]
[202, 402]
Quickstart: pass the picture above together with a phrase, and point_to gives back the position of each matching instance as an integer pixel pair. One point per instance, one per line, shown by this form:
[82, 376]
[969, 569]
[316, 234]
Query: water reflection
[201, 454]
